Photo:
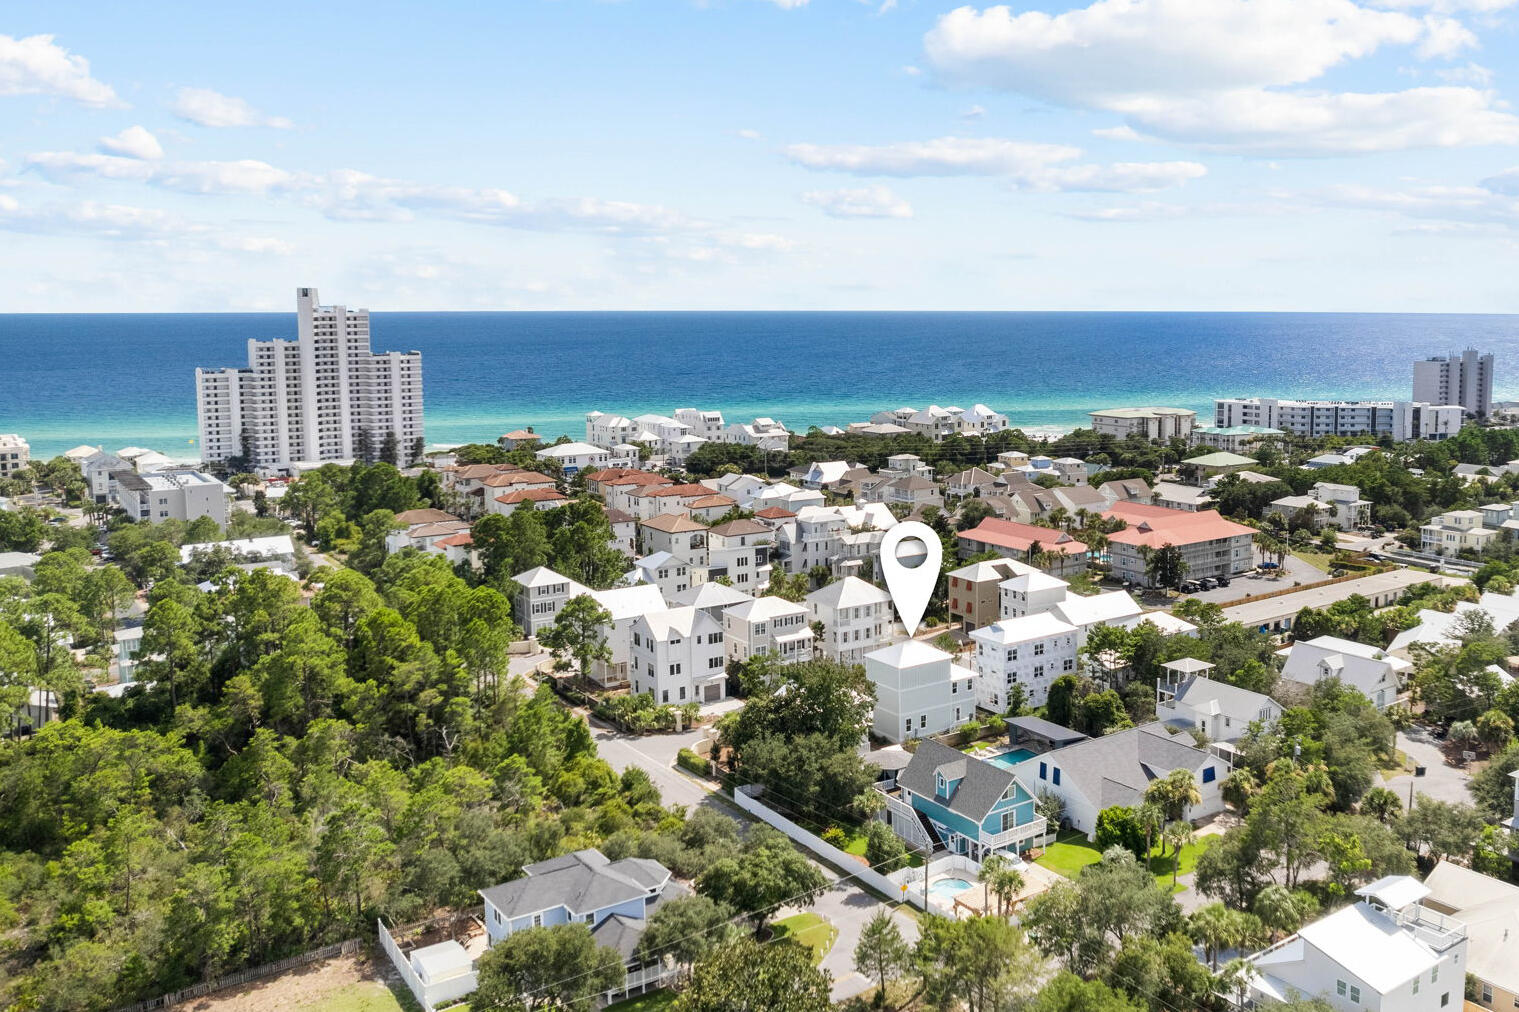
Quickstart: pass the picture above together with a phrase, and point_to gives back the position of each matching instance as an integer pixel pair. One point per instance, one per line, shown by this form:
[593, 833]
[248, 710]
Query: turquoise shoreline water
[129, 378]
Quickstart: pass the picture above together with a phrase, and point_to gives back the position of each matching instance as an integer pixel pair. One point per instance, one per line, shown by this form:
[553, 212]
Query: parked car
[1207, 583]
[1223, 581]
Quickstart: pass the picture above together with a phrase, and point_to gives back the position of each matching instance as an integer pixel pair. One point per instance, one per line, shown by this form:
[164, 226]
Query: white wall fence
[429, 995]
[747, 798]
[909, 882]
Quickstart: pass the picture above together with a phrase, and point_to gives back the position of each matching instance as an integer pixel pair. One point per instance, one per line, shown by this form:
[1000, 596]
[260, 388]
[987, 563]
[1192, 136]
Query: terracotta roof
[634, 478]
[611, 473]
[422, 516]
[774, 513]
[672, 523]
[1010, 534]
[708, 501]
[1156, 526]
[531, 495]
[520, 434]
[618, 517]
[517, 478]
[464, 539]
[680, 490]
[735, 528]
[474, 472]
[436, 528]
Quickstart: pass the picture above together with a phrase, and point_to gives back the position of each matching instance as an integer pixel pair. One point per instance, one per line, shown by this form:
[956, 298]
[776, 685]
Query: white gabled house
[1387, 952]
[670, 573]
[624, 604]
[544, 592]
[679, 657]
[1185, 697]
[768, 625]
[920, 691]
[856, 618]
[1373, 672]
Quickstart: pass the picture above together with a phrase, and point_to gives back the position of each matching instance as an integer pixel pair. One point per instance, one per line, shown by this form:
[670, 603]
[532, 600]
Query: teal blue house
[964, 805]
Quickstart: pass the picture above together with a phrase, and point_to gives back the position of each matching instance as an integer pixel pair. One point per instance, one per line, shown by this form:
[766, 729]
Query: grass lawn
[856, 846]
[1160, 867]
[1072, 852]
[366, 997]
[811, 930]
[1318, 560]
[650, 1002]
[1069, 854]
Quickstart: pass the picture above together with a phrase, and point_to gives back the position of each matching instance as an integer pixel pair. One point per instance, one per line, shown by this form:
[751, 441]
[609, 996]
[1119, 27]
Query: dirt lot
[344, 984]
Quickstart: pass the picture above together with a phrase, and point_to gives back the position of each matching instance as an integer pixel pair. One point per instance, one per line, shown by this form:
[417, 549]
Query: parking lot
[1294, 571]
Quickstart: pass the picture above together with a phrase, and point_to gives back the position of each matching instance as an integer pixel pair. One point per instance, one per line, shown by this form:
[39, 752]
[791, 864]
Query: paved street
[656, 754]
[1441, 782]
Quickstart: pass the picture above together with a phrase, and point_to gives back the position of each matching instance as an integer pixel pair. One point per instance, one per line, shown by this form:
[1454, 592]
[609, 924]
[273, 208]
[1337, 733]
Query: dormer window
[940, 787]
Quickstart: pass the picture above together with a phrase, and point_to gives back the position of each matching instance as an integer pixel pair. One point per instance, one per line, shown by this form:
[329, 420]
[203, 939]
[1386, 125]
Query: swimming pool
[1012, 758]
[948, 887]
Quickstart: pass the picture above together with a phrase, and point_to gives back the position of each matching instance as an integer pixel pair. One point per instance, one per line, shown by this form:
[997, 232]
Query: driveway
[1440, 781]
[849, 908]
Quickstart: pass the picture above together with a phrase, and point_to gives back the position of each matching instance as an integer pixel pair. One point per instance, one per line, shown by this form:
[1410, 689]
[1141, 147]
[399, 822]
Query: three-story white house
[856, 618]
[768, 625]
[1030, 652]
[679, 657]
[920, 691]
[544, 592]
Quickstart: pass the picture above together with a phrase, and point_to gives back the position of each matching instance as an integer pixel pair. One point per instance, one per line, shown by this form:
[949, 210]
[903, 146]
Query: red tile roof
[680, 490]
[672, 523]
[1009, 534]
[517, 478]
[774, 513]
[531, 495]
[633, 478]
[463, 539]
[707, 501]
[618, 516]
[520, 434]
[1157, 526]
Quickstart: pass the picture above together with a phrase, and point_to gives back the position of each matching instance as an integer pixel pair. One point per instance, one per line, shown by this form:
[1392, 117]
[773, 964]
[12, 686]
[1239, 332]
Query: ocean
[128, 379]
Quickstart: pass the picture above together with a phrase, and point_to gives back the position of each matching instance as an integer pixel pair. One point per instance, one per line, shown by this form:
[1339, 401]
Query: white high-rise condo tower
[323, 396]
[1465, 379]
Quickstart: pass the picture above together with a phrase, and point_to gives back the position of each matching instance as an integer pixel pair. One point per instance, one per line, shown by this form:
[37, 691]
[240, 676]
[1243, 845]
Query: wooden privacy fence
[204, 988]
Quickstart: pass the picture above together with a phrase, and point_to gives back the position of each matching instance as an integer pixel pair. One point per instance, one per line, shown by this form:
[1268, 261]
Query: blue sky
[761, 154]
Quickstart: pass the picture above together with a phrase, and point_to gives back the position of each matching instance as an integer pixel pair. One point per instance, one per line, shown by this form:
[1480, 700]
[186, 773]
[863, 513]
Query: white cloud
[865, 202]
[209, 108]
[1118, 48]
[1322, 123]
[974, 112]
[352, 195]
[133, 142]
[789, 4]
[1029, 166]
[1451, 6]
[749, 135]
[36, 65]
[1473, 74]
[1444, 37]
[1221, 73]
[1149, 210]
[127, 223]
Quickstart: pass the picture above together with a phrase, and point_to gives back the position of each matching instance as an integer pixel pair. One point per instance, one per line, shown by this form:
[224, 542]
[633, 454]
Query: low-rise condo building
[1400, 420]
[1147, 423]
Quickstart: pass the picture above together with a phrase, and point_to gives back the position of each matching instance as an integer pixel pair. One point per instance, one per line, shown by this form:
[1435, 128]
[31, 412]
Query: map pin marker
[910, 557]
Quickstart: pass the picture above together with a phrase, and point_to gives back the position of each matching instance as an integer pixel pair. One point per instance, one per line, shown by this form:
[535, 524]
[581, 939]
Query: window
[1487, 993]
[923, 721]
[1434, 974]
[1339, 988]
[938, 782]
[1355, 994]
[1209, 774]
[1416, 985]
[1043, 771]
[537, 920]
[1055, 776]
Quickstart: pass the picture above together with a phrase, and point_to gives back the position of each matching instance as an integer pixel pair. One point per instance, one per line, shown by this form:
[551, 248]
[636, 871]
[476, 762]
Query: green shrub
[690, 761]
[835, 837]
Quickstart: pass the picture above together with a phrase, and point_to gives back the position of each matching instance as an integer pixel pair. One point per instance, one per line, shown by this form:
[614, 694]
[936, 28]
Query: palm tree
[1005, 884]
[1177, 835]
[1152, 819]
[991, 866]
[1210, 926]
[1277, 910]
[1175, 793]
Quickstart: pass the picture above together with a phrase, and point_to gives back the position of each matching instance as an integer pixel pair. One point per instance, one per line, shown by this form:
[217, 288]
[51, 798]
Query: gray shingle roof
[582, 882]
[981, 783]
[1116, 768]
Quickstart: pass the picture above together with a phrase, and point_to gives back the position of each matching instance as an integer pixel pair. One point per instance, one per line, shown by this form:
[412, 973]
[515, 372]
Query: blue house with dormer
[613, 898]
[963, 804]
